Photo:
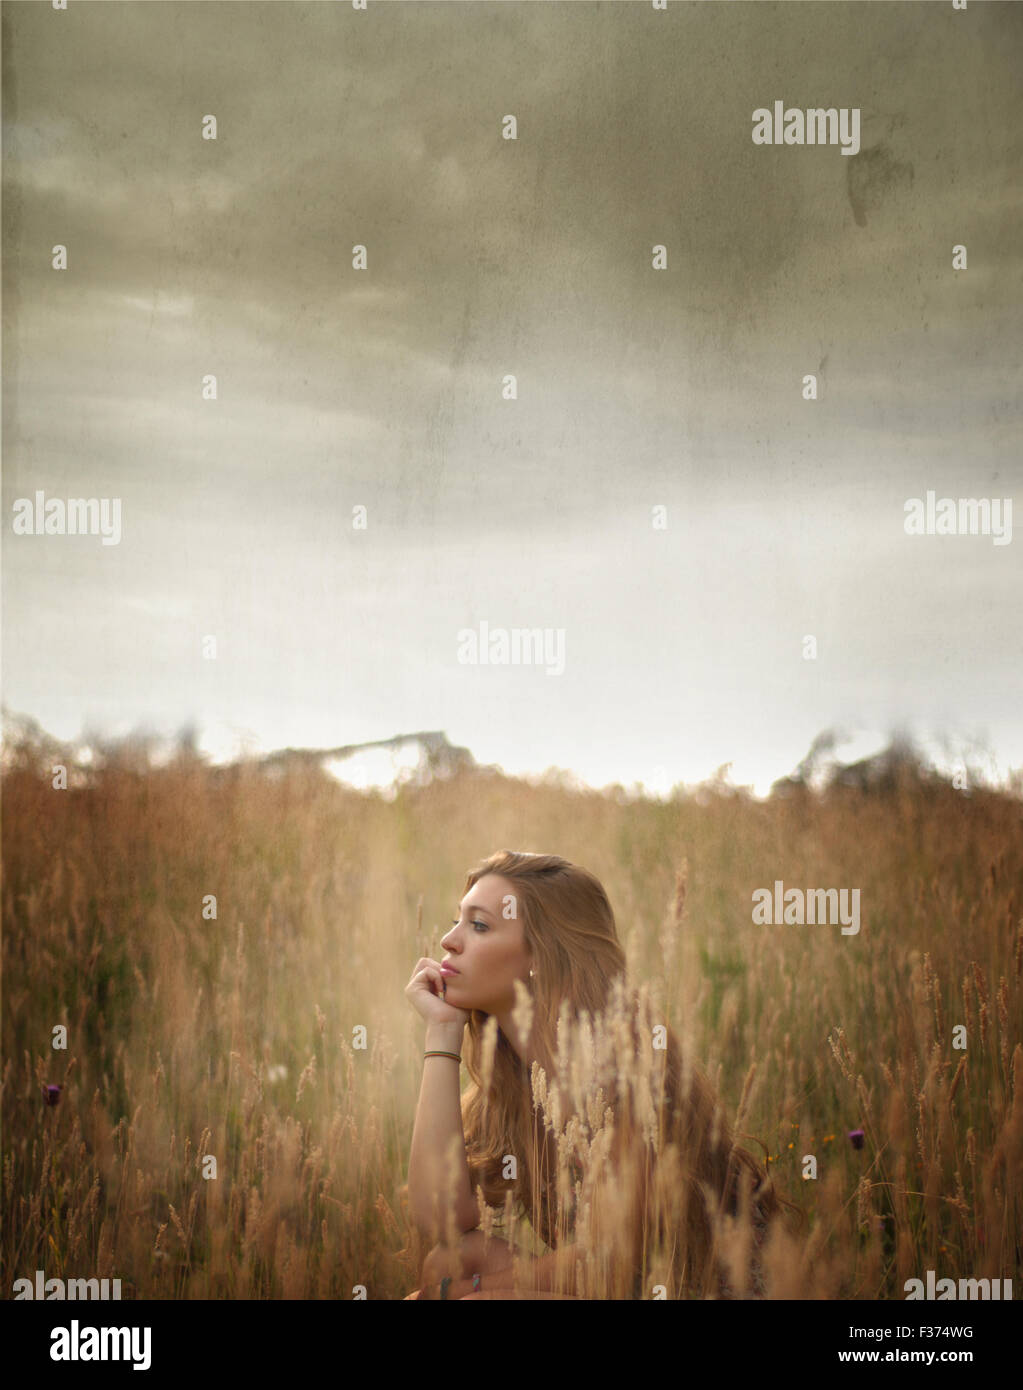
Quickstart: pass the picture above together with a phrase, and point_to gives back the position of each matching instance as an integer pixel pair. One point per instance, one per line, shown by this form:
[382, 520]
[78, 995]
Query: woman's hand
[425, 992]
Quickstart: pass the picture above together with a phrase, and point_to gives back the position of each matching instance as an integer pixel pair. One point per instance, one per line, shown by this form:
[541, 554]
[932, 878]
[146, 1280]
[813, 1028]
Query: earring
[531, 974]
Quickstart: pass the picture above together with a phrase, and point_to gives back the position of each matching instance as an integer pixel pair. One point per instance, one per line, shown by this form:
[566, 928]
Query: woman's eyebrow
[473, 908]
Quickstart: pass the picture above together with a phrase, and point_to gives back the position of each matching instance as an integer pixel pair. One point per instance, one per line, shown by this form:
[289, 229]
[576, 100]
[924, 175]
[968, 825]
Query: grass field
[234, 1037]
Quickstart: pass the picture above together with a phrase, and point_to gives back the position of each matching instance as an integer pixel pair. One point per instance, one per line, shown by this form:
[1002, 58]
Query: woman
[582, 1112]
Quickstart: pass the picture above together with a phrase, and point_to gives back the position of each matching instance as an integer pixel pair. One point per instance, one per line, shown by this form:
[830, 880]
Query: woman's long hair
[619, 1143]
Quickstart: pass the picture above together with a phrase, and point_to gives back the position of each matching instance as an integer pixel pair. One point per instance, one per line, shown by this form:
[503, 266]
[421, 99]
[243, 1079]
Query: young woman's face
[487, 948]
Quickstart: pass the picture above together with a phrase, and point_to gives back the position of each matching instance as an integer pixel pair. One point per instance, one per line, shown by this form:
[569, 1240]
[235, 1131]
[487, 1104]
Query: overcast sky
[488, 257]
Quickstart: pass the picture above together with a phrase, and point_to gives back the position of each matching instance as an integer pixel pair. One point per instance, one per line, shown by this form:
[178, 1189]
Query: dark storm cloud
[486, 257]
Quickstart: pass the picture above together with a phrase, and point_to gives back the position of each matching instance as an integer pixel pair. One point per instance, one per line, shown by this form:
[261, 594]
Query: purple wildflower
[856, 1138]
[52, 1094]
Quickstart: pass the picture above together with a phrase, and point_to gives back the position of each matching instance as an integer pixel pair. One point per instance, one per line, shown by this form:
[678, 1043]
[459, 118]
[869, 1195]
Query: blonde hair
[605, 1127]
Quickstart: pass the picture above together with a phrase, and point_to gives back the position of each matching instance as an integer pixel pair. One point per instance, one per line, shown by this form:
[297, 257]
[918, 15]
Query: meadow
[239, 1037]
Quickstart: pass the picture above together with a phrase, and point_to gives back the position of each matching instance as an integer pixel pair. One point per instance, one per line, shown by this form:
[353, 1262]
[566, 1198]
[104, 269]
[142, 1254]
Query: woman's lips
[448, 970]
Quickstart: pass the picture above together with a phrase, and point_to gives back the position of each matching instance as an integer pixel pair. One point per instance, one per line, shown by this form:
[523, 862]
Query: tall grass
[240, 1037]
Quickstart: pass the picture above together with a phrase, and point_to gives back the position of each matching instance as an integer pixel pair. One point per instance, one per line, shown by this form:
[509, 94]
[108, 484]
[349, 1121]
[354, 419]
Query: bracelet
[475, 1283]
[443, 1054]
[444, 1283]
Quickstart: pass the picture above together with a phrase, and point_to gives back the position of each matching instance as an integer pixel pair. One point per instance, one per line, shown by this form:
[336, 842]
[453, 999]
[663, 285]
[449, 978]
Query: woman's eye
[480, 924]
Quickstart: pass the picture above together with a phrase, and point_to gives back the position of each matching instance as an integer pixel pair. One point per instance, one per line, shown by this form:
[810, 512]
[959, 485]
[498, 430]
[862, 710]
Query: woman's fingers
[425, 971]
[428, 984]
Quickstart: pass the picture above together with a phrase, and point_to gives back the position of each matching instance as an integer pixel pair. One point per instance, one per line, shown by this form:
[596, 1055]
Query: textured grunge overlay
[590, 427]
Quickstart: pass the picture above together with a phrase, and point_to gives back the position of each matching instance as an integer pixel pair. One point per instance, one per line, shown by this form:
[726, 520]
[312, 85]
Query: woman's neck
[507, 1027]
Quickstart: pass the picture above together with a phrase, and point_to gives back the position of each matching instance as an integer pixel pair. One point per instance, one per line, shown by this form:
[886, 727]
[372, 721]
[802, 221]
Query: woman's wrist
[444, 1037]
[457, 1288]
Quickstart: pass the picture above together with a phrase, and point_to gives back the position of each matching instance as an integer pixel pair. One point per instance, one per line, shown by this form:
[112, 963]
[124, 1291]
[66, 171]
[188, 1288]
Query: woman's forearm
[432, 1183]
[554, 1273]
